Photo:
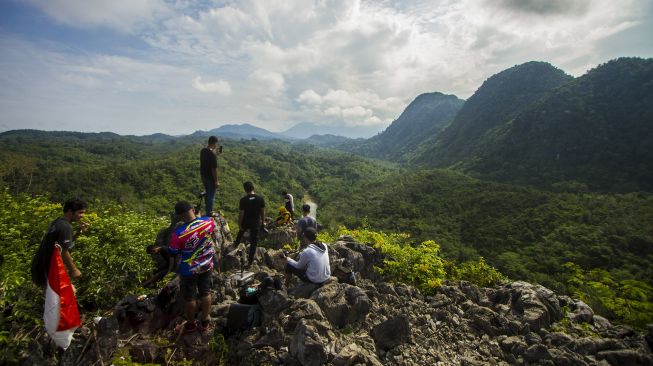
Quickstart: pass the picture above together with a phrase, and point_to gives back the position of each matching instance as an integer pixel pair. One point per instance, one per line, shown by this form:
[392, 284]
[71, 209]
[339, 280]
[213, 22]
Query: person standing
[60, 232]
[289, 203]
[60, 312]
[304, 223]
[209, 172]
[194, 241]
[250, 218]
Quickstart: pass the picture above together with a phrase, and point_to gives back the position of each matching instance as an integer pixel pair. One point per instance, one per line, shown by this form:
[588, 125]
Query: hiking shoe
[185, 328]
[204, 325]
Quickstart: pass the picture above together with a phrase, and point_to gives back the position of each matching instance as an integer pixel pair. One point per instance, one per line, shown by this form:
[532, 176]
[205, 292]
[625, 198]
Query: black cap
[310, 233]
[306, 207]
[182, 207]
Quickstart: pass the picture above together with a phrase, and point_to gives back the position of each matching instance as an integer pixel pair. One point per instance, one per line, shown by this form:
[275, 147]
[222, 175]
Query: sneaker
[185, 328]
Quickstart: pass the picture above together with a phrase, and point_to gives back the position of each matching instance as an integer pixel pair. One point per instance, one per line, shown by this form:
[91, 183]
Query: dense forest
[598, 247]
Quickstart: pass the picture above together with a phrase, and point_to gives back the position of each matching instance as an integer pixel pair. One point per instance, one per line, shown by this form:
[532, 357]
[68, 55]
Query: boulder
[392, 332]
[580, 312]
[279, 236]
[354, 354]
[307, 346]
[273, 302]
[301, 309]
[342, 304]
[536, 353]
[625, 357]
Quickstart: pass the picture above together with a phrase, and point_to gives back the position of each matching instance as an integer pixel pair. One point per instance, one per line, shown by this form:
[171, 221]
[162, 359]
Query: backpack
[41, 260]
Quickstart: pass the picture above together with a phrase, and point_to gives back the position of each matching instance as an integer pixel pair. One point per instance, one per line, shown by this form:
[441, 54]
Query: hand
[82, 227]
[217, 184]
[76, 273]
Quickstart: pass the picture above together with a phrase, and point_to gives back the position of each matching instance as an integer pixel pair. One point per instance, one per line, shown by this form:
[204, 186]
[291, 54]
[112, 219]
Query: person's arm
[301, 263]
[80, 230]
[263, 216]
[68, 259]
[241, 219]
[214, 171]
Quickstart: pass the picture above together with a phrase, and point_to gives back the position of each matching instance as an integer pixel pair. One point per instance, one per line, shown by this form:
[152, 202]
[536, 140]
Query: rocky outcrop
[372, 323]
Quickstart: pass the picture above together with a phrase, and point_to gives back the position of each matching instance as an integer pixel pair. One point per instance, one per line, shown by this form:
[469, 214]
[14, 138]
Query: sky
[176, 66]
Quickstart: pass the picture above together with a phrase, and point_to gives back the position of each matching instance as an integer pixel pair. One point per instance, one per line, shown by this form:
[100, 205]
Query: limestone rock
[342, 304]
[392, 332]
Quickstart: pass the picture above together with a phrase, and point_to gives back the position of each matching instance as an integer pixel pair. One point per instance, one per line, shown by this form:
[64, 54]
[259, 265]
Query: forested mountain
[501, 97]
[244, 131]
[594, 132]
[419, 124]
[526, 233]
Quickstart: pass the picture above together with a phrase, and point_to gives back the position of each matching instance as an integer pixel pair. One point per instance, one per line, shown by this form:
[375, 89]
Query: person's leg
[301, 273]
[188, 286]
[209, 188]
[253, 242]
[239, 236]
[204, 288]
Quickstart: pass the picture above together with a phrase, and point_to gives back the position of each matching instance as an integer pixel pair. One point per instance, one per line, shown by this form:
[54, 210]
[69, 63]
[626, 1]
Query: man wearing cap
[313, 264]
[304, 223]
[194, 241]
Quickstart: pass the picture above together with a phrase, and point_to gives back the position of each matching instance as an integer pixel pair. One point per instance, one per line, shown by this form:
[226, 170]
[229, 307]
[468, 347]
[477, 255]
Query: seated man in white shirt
[313, 264]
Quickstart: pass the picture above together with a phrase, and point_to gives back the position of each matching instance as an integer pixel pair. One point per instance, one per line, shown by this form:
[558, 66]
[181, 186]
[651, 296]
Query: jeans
[209, 187]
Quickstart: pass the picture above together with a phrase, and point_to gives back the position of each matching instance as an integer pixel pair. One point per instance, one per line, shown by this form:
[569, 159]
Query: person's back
[318, 268]
[304, 223]
[313, 262]
[193, 240]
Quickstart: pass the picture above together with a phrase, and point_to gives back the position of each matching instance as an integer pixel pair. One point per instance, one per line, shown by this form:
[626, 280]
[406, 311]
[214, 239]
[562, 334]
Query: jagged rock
[392, 332]
[279, 236]
[303, 290]
[308, 346]
[580, 312]
[558, 339]
[487, 321]
[301, 309]
[342, 304]
[536, 305]
[625, 357]
[275, 259]
[601, 324]
[273, 302]
[513, 344]
[536, 352]
[353, 354]
[142, 351]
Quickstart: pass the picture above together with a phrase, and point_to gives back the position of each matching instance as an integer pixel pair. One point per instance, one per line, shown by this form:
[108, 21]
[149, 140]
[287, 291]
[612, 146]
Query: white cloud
[353, 62]
[220, 86]
[122, 15]
[270, 83]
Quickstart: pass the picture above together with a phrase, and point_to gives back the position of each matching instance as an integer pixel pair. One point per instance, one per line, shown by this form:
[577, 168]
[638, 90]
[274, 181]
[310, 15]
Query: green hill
[417, 126]
[501, 97]
[594, 132]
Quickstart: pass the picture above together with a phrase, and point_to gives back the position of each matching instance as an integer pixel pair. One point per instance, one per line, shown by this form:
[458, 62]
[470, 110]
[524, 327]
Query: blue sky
[147, 66]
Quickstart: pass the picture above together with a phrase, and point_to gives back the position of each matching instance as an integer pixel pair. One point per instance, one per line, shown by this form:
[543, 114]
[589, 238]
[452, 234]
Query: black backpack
[42, 257]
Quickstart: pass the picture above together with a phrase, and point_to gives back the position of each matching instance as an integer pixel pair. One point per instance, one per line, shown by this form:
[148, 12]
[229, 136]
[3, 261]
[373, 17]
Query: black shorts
[191, 285]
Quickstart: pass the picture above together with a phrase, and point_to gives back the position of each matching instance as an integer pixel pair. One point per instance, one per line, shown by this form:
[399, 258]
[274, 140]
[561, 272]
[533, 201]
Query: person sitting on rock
[194, 241]
[304, 223]
[283, 218]
[313, 264]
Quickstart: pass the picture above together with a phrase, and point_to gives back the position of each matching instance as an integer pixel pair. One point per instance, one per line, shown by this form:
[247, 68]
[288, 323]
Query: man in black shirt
[209, 172]
[60, 233]
[251, 217]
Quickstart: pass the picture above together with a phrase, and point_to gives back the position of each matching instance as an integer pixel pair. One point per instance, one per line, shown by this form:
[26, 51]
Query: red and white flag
[61, 315]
